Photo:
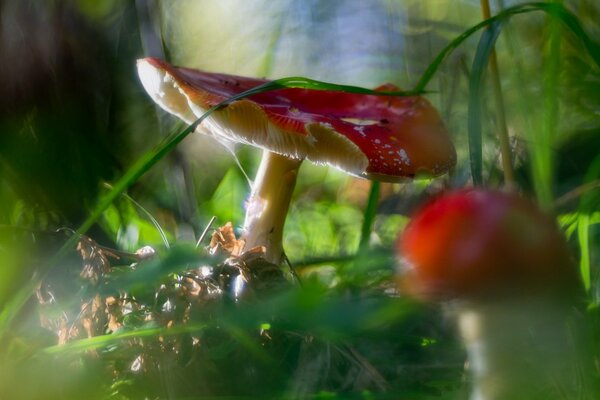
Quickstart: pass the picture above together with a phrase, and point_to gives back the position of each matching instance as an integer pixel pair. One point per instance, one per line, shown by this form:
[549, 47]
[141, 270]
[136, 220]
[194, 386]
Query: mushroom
[505, 273]
[371, 136]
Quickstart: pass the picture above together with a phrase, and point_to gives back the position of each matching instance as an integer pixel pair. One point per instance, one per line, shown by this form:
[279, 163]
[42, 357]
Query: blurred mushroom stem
[520, 349]
[269, 203]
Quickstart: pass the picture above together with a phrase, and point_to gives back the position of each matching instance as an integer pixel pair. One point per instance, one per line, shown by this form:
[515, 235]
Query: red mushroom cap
[381, 137]
[477, 243]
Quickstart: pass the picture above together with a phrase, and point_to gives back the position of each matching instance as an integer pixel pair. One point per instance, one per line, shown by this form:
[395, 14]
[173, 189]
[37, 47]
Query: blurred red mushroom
[506, 273]
[370, 136]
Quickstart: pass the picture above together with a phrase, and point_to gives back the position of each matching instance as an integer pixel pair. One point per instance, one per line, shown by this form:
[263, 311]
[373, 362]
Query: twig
[205, 231]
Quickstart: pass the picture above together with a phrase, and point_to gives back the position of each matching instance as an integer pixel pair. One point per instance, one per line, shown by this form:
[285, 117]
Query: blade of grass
[503, 138]
[205, 231]
[583, 223]
[101, 341]
[369, 215]
[306, 83]
[588, 205]
[541, 145]
[480, 62]
[377, 256]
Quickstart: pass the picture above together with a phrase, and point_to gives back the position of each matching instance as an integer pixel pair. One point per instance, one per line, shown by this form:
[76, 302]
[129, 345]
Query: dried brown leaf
[223, 241]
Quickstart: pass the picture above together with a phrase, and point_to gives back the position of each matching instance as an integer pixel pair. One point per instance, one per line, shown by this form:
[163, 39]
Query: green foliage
[480, 62]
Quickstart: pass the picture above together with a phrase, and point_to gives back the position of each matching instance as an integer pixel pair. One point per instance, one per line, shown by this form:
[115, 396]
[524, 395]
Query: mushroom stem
[519, 350]
[269, 203]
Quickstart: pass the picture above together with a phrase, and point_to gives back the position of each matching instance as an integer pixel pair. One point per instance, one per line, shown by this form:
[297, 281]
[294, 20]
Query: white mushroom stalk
[519, 349]
[370, 136]
[268, 204]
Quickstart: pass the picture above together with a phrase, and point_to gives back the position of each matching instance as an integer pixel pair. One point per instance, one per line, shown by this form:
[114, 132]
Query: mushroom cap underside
[387, 138]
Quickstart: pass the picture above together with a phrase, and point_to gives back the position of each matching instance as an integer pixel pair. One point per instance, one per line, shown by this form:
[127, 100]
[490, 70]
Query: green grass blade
[586, 216]
[300, 82]
[583, 223]
[541, 149]
[369, 215]
[480, 62]
[98, 342]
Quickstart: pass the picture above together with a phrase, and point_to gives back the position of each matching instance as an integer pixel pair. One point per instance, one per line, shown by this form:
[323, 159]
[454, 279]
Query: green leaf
[480, 62]
[583, 224]
[98, 342]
